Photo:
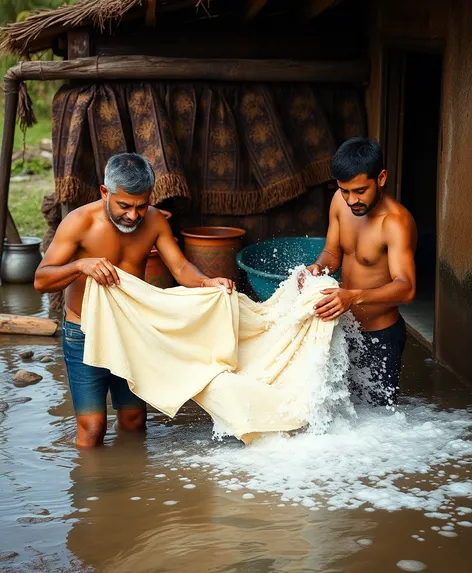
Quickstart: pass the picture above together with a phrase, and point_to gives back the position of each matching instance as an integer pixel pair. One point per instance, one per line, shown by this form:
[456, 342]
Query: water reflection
[69, 510]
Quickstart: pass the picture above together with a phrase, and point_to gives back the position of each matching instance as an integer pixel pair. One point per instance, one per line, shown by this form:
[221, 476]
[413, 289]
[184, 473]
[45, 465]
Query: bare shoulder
[79, 220]
[156, 219]
[399, 221]
[336, 203]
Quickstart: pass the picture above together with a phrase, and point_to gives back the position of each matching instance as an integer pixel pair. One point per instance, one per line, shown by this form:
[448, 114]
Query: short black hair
[356, 156]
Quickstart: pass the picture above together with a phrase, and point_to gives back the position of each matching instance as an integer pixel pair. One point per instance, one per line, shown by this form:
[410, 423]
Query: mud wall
[426, 25]
[454, 320]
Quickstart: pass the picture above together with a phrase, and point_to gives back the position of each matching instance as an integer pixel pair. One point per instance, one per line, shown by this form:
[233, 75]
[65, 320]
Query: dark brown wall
[454, 340]
[428, 24]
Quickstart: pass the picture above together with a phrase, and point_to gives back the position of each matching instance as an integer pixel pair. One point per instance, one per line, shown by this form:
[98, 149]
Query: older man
[119, 230]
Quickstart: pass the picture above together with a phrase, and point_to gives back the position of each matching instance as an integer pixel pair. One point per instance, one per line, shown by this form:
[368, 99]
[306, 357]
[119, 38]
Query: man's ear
[382, 178]
[104, 192]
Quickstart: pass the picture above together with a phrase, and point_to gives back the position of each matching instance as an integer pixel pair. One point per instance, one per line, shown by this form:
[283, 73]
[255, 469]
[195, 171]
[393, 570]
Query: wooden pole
[11, 231]
[232, 70]
[11, 88]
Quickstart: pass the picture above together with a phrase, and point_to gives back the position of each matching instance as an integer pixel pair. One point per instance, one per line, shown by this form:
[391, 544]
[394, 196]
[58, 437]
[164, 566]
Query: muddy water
[156, 503]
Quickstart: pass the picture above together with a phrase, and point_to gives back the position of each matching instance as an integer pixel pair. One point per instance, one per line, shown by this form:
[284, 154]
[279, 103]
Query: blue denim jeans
[89, 385]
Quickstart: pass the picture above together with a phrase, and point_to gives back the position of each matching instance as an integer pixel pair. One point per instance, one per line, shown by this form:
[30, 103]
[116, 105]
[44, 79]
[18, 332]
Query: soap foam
[351, 455]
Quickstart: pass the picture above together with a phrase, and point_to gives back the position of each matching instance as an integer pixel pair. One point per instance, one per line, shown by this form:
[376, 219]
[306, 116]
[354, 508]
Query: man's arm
[182, 269]
[56, 272]
[331, 256]
[400, 237]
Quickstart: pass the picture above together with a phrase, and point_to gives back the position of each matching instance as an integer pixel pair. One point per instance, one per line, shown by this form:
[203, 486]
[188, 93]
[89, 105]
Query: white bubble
[410, 565]
[365, 542]
[135, 498]
[447, 533]
[248, 496]
[170, 502]
[160, 475]
[93, 498]
[84, 509]
[189, 486]
[465, 523]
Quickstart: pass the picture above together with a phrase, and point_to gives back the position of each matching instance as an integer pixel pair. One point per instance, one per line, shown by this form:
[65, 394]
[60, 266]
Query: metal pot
[20, 261]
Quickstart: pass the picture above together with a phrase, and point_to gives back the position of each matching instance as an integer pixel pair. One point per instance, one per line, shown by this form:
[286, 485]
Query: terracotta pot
[213, 250]
[157, 273]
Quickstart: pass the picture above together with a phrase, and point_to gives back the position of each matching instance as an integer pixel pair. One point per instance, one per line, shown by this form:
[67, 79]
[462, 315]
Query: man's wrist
[357, 296]
[204, 279]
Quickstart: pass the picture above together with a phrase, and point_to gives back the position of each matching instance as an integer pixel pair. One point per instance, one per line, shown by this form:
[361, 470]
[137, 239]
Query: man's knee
[132, 420]
[91, 430]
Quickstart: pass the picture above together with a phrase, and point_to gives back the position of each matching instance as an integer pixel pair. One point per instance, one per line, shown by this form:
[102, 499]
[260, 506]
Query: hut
[240, 105]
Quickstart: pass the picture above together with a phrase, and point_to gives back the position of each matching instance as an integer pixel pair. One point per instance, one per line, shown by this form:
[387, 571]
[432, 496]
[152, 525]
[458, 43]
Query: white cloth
[241, 361]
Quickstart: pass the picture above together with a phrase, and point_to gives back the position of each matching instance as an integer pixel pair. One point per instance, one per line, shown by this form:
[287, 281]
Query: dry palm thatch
[22, 38]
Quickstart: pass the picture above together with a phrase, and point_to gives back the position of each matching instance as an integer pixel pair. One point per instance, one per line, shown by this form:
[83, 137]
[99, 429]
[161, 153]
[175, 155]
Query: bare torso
[365, 259]
[128, 252]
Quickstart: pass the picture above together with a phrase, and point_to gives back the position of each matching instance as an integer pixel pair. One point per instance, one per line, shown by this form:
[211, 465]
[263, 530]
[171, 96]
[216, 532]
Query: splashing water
[416, 456]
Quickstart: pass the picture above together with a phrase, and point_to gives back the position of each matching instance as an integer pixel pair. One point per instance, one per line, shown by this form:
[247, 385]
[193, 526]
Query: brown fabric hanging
[232, 150]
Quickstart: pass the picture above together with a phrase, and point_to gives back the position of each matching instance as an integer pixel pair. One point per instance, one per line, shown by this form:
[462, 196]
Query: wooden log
[11, 231]
[253, 7]
[11, 89]
[31, 325]
[78, 44]
[218, 69]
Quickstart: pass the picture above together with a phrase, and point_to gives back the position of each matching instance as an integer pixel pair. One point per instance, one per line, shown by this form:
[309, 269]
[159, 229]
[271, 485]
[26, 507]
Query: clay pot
[157, 273]
[213, 250]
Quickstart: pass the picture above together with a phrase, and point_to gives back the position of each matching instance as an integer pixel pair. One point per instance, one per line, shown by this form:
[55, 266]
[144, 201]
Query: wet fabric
[245, 363]
[231, 149]
[375, 371]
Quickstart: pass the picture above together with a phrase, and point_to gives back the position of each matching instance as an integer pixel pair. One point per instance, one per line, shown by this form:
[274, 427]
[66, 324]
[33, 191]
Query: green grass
[25, 204]
[34, 134]
[25, 197]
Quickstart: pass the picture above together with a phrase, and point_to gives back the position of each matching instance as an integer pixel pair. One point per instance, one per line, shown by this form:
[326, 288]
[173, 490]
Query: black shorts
[375, 365]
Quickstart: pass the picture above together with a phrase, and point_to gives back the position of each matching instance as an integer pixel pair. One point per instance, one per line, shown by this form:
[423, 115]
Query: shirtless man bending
[119, 230]
[373, 238]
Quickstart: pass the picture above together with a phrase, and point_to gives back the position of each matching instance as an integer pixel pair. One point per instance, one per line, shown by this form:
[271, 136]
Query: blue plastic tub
[268, 263]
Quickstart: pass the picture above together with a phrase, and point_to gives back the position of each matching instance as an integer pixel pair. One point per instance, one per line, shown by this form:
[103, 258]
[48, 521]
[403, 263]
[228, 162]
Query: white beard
[121, 228]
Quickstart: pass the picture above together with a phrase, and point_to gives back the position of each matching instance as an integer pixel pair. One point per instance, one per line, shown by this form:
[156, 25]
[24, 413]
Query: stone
[46, 359]
[34, 519]
[26, 354]
[7, 555]
[21, 400]
[3, 406]
[26, 378]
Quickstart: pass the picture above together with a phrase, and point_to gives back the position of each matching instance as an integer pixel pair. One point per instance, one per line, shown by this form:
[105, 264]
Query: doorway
[412, 159]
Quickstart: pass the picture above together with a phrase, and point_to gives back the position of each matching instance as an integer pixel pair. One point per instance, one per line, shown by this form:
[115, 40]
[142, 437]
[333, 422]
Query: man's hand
[101, 270]
[337, 302]
[314, 269]
[227, 283]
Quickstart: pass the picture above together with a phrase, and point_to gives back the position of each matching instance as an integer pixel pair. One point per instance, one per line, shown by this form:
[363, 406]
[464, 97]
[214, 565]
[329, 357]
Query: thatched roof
[38, 31]
[41, 30]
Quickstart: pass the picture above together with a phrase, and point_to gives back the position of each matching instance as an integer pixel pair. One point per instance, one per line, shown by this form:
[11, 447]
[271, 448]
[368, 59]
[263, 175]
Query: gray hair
[131, 172]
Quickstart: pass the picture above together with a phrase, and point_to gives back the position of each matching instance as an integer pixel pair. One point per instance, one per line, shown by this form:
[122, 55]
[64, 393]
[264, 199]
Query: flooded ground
[385, 492]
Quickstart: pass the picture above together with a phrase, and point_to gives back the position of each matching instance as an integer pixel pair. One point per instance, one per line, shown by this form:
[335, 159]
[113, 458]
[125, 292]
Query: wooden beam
[11, 231]
[78, 44]
[150, 18]
[253, 7]
[237, 70]
[11, 89]
[313, 8]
